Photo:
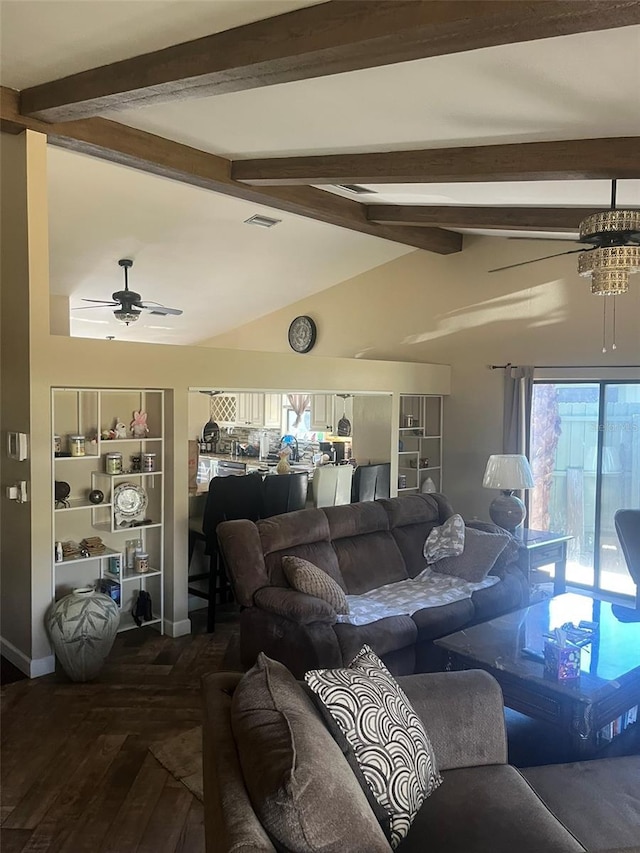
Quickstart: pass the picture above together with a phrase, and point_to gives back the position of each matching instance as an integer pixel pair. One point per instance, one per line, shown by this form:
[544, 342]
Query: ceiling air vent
[262, 221]
[355, 188]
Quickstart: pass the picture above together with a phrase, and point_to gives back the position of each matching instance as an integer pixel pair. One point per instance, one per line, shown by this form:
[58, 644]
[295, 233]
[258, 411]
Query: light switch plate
[17, 446]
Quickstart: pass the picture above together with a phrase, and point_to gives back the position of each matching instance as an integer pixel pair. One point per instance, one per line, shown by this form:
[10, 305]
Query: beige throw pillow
[305, 577]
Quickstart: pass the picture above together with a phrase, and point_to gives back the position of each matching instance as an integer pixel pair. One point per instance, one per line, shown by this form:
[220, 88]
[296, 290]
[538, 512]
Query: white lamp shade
[509, 471]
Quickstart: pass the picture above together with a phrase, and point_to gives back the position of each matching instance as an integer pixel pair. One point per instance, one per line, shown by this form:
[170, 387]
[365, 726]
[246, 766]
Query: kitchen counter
[252, 464]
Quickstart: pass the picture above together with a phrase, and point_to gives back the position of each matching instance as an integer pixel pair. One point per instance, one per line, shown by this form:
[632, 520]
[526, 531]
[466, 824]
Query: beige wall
[423, 307]
[15, 412]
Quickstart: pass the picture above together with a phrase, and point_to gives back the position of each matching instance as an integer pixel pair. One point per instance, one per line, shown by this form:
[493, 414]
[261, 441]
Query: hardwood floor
[77, 776]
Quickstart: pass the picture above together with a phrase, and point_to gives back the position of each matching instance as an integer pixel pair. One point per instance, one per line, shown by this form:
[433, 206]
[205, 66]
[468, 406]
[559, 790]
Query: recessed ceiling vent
[262, 221]
[355, 188]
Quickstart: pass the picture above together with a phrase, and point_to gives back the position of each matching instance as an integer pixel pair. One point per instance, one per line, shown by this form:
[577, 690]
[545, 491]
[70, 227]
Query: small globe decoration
[96, 496]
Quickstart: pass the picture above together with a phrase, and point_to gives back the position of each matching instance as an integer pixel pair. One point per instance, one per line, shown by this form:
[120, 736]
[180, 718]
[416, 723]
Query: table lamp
[508, 472]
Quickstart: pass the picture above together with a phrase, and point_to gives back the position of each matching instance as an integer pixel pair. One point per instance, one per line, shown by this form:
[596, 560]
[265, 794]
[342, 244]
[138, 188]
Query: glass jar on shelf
[113, 463]
[77, 445]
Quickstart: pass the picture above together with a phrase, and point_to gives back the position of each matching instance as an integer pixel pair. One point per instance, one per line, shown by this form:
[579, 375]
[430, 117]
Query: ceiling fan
[129, 302]
[611, 239]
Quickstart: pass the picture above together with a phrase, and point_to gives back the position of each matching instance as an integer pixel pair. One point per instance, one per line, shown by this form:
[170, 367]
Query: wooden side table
[541, 548]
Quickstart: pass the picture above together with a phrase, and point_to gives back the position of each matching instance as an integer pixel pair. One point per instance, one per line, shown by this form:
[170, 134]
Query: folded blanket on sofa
[428, 589]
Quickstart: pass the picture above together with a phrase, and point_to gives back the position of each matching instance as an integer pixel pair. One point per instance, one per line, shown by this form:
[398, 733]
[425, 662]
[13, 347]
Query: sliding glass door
[585, 455]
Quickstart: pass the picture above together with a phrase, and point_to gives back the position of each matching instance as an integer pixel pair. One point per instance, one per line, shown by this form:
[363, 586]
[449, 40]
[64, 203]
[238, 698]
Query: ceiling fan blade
[91, 307]
[535, 260]
[101, 301]
[162, 310]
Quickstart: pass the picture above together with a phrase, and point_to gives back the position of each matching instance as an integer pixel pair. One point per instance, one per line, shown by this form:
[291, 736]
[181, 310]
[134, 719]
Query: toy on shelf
[120, 430]
[139, 426]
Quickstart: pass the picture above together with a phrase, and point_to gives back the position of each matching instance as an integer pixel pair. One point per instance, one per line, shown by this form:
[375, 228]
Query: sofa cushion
[447, 540]
[481, 550]
[305, 577]
[386, 735]
[490, 809]
[298, 780]
[411, 519]
[367, 553]
[383, 636]
[510, 593]
[598, 800]
[304, 533]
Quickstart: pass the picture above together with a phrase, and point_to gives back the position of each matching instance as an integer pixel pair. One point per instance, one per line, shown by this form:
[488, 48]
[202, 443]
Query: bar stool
[284, 492]
[332, 485]
[228, 498]
[371, 482]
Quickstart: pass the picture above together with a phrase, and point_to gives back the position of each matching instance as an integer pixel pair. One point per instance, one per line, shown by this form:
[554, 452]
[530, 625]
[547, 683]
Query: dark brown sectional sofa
[362, 546]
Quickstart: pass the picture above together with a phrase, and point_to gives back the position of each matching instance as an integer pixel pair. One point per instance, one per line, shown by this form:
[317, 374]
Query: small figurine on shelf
[120, 430]
[139, 426]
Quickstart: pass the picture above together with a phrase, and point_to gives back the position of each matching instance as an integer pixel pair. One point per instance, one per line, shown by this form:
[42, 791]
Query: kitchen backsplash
[248, 435]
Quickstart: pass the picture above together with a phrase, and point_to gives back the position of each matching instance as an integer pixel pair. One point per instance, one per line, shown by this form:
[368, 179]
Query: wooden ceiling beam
[565, 219]
[119, 143]
[577, 159]
[328, 38]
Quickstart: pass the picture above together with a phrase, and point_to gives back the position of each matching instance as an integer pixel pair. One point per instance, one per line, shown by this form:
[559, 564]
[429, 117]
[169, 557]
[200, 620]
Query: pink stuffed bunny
[139, 426]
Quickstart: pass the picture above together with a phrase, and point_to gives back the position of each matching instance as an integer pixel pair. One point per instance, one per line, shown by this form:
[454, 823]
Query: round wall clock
[302, 334]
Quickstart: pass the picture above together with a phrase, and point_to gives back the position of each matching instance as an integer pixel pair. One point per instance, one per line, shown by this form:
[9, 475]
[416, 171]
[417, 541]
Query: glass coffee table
[593, 709]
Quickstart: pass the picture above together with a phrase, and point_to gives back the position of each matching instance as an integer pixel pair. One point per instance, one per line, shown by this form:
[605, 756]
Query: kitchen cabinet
[86, 414]
[224, 409]
[322, 412]
[250, 409]
[272, 411]
[327, 409]
[419, 442]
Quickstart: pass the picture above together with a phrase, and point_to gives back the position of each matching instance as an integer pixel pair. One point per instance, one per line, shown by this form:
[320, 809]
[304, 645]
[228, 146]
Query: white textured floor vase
[82, 627]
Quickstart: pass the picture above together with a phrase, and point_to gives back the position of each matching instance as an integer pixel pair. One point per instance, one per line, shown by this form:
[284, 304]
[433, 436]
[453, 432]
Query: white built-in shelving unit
[91, 412]
[419, 442]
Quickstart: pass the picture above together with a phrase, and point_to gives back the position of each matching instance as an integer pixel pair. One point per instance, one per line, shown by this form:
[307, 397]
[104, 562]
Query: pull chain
[613, 345]
[604, 324]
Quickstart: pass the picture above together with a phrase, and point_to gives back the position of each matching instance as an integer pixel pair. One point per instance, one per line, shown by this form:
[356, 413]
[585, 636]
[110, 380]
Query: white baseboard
[177, 629]
[33, 667]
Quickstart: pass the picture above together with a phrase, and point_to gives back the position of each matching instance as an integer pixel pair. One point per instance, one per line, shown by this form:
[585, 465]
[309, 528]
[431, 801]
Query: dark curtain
[518, 391]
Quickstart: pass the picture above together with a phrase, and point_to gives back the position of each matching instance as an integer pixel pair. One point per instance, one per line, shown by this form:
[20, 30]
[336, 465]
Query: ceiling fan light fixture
[624, 224]
[609, 282]
[127, 317]
[625, 258]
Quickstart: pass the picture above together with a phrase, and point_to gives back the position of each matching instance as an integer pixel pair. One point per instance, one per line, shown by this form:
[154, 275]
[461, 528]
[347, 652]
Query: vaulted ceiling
[411, 121]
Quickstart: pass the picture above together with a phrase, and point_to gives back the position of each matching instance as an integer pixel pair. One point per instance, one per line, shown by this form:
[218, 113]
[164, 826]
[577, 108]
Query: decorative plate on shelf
[302, 334]
[129, 504]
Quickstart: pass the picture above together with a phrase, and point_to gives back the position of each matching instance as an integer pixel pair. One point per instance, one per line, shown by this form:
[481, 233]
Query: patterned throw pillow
[305, 577]
[445, 541]
[387, 737]
[481, 550]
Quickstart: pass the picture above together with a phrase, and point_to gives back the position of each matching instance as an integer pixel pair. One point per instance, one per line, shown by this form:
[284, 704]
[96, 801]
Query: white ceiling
[572, 87]
[191, 250]
[190, 247]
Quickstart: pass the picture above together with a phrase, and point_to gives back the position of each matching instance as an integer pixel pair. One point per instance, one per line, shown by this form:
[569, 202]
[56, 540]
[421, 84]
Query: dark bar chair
[627, 522]
[284, 492]
[371, 482]
[228, 498]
